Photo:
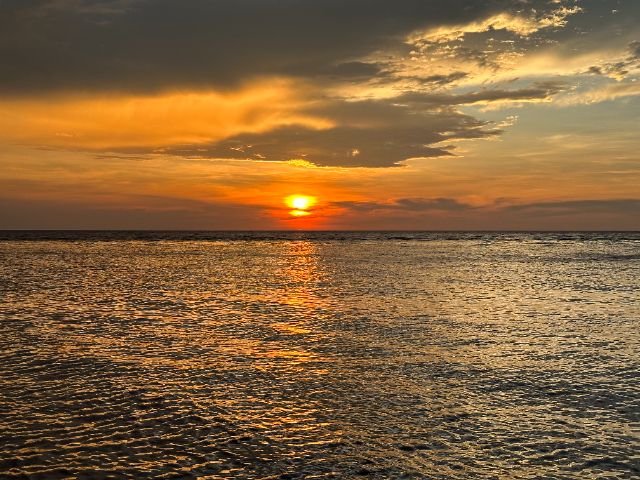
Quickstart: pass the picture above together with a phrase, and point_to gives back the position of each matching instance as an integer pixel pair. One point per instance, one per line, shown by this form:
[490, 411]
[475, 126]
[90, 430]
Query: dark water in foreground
[319, 355]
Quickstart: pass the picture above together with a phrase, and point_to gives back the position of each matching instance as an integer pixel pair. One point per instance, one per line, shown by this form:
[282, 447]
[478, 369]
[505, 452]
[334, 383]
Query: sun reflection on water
[264, 358]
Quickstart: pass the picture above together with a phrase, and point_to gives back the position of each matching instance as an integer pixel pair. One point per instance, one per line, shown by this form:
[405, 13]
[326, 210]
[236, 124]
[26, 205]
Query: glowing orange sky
[500, 116]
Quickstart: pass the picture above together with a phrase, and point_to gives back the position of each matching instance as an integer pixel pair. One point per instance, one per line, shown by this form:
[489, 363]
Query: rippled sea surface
[319, 355]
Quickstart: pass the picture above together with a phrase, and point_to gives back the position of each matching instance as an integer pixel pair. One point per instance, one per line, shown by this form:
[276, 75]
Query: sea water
[319, 355]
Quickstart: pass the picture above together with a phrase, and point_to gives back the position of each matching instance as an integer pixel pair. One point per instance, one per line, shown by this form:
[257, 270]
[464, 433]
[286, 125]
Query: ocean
[318, 355]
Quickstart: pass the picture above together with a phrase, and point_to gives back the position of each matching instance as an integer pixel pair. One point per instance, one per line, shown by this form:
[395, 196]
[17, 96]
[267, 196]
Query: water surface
[319, 355]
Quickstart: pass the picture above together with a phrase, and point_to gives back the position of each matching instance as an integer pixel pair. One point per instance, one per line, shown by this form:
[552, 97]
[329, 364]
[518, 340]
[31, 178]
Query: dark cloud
[374, 133]
[537, 91]
[143, 213]
[357, 69]
[443, 204]
[335, 147]
[623, 206]
[443, 79]
[150, 45]
[634, 47]
[619, 70]
[408, 205]
[544, 209]
[370, 133]
[155, 44]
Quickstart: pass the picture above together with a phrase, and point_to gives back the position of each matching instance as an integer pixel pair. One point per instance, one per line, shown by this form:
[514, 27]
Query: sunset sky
[320, 114]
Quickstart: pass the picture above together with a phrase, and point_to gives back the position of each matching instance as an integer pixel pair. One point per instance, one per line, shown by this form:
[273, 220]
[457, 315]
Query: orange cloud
[120, 121]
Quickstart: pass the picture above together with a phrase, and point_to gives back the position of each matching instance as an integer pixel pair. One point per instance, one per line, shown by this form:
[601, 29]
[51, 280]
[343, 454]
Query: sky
[375, 115]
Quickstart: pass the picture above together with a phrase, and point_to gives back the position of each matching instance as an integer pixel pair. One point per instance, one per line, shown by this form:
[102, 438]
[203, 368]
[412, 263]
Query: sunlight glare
[300, 203]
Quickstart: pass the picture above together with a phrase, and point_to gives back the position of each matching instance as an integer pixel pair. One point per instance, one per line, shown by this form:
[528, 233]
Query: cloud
[620, 68]
[617, 71]
[384, 132]
[155, 121]
[335, 147]
[408, 205]
[546, 209]
[206, 79]
[527, 39]
[536, 92]
[356, 69]
[634, 47]
[609, 92]
[147, 46]
[47, 8]
[520, 24]
[452, 214]
[273, 120]
[618, 207]
[131, 213]
[509, 121]
[442, 79]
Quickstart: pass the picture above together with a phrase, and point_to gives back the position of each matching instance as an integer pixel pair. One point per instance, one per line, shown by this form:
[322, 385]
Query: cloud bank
[336, 83]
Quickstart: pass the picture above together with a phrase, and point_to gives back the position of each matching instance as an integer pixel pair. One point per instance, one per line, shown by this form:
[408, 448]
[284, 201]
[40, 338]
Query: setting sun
[300, 203]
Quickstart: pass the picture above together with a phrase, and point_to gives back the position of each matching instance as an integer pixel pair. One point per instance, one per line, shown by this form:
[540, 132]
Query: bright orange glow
[165, 119]
[298, 213]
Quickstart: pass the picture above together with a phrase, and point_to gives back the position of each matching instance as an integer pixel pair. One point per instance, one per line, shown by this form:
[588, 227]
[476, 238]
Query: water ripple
[327, 355]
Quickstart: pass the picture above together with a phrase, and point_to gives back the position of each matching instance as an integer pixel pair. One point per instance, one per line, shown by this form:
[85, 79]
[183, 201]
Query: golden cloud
[518, 24]
[609, 92]
[120, 121]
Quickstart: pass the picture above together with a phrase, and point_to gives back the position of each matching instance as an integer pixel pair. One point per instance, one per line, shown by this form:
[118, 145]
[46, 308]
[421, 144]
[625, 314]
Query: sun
[300, 203]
